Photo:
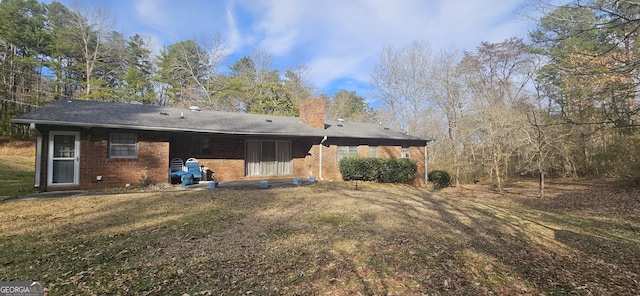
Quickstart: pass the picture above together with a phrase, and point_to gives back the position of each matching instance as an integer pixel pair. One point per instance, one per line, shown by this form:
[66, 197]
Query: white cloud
[154, 43]
[361, 29]
[325, 69]
[278, 22]
[468, 23]
[234, 38]
[150, 13]
[340, 39]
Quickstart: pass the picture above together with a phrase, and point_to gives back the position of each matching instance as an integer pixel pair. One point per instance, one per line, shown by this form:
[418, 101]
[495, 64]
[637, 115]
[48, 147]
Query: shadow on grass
[310, 240]
[518, 242]
[617, 252]
[102, 244]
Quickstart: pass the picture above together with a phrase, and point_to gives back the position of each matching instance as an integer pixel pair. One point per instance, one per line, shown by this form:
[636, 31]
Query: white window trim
[38, 162]
[126, 156]
[76, 159]
[404, 152]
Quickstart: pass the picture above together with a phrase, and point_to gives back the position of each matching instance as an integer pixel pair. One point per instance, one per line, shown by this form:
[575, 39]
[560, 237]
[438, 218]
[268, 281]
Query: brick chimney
[312, 112]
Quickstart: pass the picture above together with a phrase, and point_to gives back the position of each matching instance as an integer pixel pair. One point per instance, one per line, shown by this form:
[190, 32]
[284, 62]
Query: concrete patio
[245, 185]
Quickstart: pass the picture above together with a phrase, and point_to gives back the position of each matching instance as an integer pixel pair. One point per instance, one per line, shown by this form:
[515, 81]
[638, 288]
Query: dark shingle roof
[145, 117]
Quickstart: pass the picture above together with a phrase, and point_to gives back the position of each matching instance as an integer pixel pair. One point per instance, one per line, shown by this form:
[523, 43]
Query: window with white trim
[405, 152]
[347, 150]
[268, 158]
[123, 145]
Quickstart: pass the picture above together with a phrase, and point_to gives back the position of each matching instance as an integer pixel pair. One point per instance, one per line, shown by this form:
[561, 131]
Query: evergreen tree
[137, 86]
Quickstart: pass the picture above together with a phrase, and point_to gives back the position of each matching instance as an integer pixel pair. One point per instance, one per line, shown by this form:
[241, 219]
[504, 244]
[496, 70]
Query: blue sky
[339, 40]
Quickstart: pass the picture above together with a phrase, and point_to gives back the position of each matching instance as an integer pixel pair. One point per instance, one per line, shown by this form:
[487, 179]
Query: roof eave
[196, 130]
[151, 128]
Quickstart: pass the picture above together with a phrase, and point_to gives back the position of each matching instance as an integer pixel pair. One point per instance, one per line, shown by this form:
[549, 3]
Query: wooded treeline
[51, 52]
[563, 102]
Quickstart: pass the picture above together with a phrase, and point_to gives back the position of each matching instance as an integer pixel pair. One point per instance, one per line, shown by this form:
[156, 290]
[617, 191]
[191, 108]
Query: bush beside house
[383, 170]
[440, 179]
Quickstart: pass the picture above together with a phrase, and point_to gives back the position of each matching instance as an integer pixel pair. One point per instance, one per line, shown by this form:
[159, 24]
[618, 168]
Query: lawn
[328, 239]
[16, 175]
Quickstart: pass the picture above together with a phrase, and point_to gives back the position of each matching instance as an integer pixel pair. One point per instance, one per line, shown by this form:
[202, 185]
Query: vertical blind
[268, 158]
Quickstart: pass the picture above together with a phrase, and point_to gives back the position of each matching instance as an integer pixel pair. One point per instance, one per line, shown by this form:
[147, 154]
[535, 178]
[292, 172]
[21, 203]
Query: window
[268, 158]
[123, 146]
[373, 151]
[405, 152]
[347, 150]
[201, 145]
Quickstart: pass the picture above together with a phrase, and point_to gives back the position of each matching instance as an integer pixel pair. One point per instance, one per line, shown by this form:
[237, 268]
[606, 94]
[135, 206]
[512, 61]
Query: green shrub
[400, 170]
[355, 166]
[440, 179]
[383, 170]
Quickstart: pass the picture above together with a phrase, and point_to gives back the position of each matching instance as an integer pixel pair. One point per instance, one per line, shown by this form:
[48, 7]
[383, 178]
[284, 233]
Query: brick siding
[226, 159]
[312, 112]
[331, 169]
[151, 165]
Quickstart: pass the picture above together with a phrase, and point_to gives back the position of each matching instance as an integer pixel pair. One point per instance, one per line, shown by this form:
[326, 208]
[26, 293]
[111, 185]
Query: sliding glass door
[268, 158]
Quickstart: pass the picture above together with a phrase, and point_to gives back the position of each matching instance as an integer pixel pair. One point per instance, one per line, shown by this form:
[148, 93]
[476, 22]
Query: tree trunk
[457, 173]
[456, 165]
[496, 168]
[541, 178]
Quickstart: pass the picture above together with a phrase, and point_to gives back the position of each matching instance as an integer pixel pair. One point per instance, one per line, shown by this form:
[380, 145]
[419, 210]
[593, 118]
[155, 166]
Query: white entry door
[64, 158]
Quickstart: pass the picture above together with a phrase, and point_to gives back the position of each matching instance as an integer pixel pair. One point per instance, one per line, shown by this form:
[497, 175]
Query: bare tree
[400, 80]
[498, 74]
[544, 152]
[212, 53]
[93, 24]
[448, 92]
[297, 82]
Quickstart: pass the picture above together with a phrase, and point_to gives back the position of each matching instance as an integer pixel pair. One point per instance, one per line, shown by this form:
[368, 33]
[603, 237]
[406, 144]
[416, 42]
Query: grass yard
[16, 175]
[328, 239]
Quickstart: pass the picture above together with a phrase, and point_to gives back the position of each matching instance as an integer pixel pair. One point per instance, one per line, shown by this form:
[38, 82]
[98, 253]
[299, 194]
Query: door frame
[76, 158]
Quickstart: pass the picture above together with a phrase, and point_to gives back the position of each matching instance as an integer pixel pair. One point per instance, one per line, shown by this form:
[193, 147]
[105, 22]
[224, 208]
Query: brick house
[87, 144]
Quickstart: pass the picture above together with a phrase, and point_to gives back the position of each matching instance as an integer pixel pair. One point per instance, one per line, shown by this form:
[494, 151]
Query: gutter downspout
[320, 163]
[426, 166]
[38, 161]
